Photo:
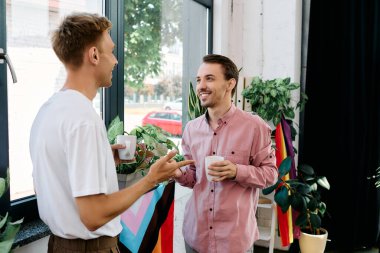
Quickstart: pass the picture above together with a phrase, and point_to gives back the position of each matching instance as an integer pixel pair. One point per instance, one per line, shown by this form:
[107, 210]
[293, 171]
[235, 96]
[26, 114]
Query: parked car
[170, 121]
[174, 105]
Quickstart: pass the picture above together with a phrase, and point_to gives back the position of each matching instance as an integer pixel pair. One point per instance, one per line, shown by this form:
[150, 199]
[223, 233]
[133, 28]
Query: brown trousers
[103, 244]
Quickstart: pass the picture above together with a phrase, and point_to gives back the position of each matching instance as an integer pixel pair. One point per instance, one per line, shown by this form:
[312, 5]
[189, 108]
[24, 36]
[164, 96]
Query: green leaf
[322, 208]
[8, 235]
[285, 166]
[282, 198]
[115, 128]
[306, 169]
[315, 221]
[322, 181]
[270, 189]
[195, 108]
[2, 186]
[313, 205]
[303, 188]
[301, 220]
[298, 202]
[3, 220]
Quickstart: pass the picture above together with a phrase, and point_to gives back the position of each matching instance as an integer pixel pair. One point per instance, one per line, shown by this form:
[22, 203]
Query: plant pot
[313, 243]
[126, 180]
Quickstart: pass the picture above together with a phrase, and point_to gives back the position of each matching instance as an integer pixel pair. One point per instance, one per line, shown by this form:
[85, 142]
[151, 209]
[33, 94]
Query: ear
[93, 55]
[231, 84]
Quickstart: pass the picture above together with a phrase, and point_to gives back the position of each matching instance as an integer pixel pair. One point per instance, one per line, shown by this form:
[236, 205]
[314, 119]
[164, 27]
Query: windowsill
[30, 232]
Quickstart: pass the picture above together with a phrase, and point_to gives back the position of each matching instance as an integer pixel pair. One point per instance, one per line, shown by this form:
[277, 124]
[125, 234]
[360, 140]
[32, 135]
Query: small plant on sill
[8, 229]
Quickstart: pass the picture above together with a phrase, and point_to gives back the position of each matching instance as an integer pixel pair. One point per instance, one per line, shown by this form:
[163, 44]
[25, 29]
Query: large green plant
[302, 194]
[195, 109]
[8, 229]
[271, 99]
[152, 143]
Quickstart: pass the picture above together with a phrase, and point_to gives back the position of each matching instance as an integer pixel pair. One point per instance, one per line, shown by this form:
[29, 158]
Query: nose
[201, 84]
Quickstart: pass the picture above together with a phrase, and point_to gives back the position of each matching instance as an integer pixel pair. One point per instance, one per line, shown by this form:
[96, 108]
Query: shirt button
[210, 209]
[210, 227]
[213, 153]
[212, 190]
[214, 133]
[233, 152]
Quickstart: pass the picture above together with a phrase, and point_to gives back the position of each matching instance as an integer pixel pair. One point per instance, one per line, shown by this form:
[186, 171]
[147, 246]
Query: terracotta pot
[313, 243]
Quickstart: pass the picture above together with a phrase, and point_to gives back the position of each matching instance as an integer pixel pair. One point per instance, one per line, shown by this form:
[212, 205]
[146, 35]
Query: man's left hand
[223, 170]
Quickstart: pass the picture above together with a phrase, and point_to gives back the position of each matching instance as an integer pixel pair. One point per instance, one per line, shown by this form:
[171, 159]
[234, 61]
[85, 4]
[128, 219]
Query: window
[164, 46]
[24, 34]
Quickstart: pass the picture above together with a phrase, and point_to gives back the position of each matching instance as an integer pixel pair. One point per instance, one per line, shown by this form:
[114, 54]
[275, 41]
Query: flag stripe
[285, 224]
[148, 237]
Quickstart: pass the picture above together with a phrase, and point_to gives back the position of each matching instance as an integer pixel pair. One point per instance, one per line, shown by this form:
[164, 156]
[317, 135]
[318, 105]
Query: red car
[170, 121]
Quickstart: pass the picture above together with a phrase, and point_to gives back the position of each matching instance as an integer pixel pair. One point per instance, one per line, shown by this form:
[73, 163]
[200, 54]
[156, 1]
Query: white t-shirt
[71, 157]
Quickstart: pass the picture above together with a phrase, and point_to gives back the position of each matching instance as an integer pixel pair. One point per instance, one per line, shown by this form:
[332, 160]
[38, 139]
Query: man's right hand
[165, 168]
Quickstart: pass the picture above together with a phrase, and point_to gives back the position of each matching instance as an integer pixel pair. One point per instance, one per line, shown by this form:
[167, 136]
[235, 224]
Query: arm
[97, 210]
[186, 176]
[261, 170]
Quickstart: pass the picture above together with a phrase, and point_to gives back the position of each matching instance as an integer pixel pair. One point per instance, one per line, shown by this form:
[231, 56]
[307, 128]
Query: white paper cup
[209, 160]
[127, 153]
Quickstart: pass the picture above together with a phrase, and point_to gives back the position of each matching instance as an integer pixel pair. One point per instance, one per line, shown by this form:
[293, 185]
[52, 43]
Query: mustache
[203, 90]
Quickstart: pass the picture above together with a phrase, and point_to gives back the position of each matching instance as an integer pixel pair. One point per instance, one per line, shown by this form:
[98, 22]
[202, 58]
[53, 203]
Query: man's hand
[166, 168]
[115, 153]
[222, 170]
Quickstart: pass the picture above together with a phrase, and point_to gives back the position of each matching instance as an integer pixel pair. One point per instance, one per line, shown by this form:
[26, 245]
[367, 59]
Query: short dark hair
[75, 33]
[229, 68]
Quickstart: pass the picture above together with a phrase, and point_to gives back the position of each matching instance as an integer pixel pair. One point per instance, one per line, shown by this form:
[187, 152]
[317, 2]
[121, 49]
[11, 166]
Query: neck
[218, 112]
[81, 81]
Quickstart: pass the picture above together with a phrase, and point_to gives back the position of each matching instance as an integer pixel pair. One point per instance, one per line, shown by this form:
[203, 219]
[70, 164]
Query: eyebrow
[208, 75]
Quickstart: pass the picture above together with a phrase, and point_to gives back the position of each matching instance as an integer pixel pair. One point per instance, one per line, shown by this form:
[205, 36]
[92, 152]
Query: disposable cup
[129, 141]
[209, 160]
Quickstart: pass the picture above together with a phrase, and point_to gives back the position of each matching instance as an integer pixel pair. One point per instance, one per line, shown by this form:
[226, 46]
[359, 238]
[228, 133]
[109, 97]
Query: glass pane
[39, 74]
[154, 59]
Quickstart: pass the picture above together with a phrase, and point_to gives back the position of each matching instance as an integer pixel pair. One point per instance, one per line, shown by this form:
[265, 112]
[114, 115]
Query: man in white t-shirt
[73, 164]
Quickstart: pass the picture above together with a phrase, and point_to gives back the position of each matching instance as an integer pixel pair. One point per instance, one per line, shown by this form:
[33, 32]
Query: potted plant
[272, 98]
[303, 196]
[152, 143]
[8, 229]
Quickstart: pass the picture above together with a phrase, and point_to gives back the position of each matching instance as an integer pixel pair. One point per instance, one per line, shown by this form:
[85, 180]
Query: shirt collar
[225, 117]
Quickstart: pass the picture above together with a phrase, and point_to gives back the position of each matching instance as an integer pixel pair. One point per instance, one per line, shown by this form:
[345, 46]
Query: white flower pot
[313, 243]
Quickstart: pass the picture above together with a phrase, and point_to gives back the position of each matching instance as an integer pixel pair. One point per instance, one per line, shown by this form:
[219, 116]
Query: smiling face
[213, 89]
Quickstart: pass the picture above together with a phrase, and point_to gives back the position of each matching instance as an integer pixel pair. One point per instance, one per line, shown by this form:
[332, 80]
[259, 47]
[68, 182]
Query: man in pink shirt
[220, 215]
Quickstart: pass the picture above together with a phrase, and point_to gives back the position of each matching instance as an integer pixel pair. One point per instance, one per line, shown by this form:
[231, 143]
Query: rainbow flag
[148, 224]
[284, 148]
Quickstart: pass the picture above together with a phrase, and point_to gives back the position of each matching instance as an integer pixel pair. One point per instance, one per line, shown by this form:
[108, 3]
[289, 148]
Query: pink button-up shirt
[220, 216]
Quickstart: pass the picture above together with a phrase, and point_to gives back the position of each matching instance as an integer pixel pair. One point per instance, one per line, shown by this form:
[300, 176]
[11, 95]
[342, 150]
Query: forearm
[97, 210]
[187, 179]
[258, 177]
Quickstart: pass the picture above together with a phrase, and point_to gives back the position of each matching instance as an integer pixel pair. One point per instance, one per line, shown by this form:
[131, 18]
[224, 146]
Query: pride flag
[284, 148]
[148, 224]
